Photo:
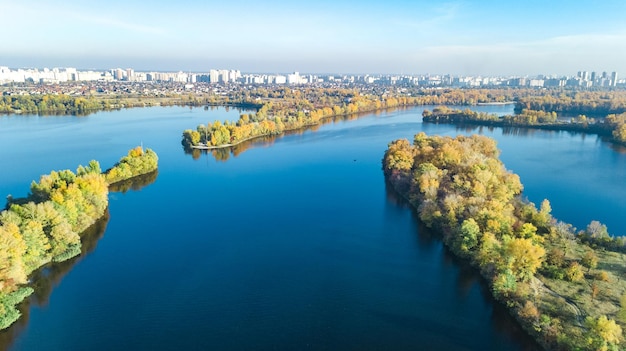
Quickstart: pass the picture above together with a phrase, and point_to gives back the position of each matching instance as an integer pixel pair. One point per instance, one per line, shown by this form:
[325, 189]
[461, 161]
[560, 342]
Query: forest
[47, 225]
[563, 286]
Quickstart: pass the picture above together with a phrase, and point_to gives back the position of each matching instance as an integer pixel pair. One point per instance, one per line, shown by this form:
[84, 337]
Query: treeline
[525, 117]
[62, 104]
[51, 104]
[46, 226]
[137, 162]
[613, 126]
[589, 103]
[535, 265]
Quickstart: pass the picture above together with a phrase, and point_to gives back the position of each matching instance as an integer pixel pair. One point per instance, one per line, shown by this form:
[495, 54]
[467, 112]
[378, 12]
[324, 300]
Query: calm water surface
[293, 244]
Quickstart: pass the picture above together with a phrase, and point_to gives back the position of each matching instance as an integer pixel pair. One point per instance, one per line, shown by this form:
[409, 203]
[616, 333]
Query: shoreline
[495, 103]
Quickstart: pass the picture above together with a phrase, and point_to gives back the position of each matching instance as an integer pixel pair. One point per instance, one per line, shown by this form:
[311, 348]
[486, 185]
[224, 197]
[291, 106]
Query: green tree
[574, 272]
[12, 251]
[524, 257]
[603, 333]
[504, 284]
[470, 232]
[589, 260]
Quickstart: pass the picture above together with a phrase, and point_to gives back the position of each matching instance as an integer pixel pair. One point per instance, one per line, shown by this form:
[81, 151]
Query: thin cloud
[116, 23]
[44, 12]
[558, 43]
[443, 14]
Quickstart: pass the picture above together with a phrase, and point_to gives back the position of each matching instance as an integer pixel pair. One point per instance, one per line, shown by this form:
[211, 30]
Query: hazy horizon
[455, 37]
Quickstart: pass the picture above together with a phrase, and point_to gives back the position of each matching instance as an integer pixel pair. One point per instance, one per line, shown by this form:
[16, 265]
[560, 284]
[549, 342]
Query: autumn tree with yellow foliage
[461, 189]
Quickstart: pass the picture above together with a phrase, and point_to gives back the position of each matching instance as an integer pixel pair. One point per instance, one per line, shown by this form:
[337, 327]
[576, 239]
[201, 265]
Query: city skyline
[459, 37]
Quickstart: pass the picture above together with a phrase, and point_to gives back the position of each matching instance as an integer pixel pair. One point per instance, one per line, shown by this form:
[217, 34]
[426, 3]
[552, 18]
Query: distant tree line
[588, 103]
[62, 104]
[51, 104]
[613, 125]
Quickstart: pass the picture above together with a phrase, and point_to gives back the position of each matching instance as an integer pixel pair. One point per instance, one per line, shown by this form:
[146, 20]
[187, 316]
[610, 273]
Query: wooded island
[47, 225]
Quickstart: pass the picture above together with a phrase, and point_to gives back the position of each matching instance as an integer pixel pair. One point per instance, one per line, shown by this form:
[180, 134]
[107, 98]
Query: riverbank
[560, 289]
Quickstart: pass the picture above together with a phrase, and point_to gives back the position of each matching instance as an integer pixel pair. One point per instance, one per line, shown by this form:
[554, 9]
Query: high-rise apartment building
[614, 79]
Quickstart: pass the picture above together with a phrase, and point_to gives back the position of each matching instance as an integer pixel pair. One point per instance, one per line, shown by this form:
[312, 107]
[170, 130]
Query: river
[294, 243]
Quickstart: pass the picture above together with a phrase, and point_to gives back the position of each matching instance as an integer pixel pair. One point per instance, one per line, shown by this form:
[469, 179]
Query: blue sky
[340, 36]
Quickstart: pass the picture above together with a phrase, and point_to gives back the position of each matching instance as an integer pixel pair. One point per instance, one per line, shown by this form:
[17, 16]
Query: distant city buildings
[582, 79]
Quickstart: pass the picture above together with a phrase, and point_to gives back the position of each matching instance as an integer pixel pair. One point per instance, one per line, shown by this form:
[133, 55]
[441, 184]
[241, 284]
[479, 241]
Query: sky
[465, 37]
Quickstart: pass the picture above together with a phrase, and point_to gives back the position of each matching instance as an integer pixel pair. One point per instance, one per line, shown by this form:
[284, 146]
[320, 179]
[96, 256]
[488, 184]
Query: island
[47, 225]
[613, 126]
[564, 287]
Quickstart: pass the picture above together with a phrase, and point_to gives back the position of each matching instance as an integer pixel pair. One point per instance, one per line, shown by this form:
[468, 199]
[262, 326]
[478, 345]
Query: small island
[564, 287]
[47, 225]
[612, 126]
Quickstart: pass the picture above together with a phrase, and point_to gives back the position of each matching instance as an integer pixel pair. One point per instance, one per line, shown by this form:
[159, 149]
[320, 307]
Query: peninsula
[562, 286]
[47, 225]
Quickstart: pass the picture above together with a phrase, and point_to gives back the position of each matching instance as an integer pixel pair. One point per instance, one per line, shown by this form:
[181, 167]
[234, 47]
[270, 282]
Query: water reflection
[135, 183]
[467, 279]
[527, 132]
[45, 279]
[619, 148]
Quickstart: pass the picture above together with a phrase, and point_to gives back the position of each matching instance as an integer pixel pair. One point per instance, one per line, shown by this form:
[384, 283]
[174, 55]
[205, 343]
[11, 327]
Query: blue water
[292, 244]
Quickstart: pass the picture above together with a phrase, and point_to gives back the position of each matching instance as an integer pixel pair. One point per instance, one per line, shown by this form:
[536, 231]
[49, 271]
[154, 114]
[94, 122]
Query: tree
[191, 137]
[597, 230]
[37, 245]
[504, 284]
[12, 250]
[556, 257]
[469, 234]
[528, 231]
[543, 217]
[574, 272]
[603, 332]
[589, 260]
[529, 311]
[524, 257]
[399, 155]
